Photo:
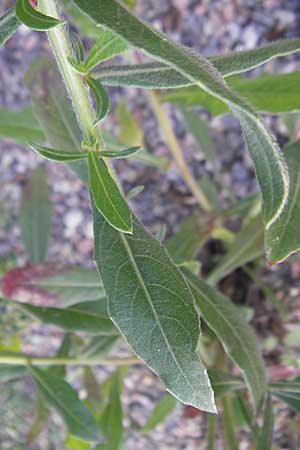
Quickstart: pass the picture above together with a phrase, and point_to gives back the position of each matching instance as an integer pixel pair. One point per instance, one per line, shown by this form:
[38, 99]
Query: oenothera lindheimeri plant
[145, 293]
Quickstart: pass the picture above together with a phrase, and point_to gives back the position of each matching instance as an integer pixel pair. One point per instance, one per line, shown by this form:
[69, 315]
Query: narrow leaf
[287, 391]
[101, 97]
[157, 75]
[126, 153]
[74, 320]
[100, 345]
[32, 18]
[235, 334]
[265, 438]
[224, 382]
[153, 308]
[107, 196]
[107, 46]
[40, 421]
[36, 216]
[160, 412]
[246, 247]
[77, 46]
[9, 24]
[269, 163]
[60, 396]
[283, 237]
[57, 155]
[201, 133]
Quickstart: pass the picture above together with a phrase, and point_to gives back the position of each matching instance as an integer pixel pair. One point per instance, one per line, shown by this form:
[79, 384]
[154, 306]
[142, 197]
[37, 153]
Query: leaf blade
[9, 23]
[56, 155]
[101, 97]
[34, 19]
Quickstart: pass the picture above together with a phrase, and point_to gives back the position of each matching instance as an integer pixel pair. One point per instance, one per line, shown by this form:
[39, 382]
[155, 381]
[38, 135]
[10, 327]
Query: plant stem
[186, 173]
[77, 90]
[24, 360]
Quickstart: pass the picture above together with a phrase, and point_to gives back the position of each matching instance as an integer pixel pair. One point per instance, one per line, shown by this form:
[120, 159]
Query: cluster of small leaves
[147, 295]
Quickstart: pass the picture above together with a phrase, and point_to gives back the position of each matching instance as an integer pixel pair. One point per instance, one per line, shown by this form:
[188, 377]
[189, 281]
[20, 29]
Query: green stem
[75, 85]
[23, 360]
[228, 424]
[211, 431]
[185, 171]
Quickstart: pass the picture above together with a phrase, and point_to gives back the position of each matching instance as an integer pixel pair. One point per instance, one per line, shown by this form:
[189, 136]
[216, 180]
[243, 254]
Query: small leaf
[32, 18]
[246, 247]
[287, 391]
[56, 155]
[223, 382]
[265, 438]
[126, 153]
[9, 24]
[134, 192]
[153, 308]
[283, 237]
[235, 334]
[101, 98]
[107, 196]
[77, 46]
[201, 133]
[100, 345]
[107, 46]
[72, 319]
[60, 396]
[160, 412]
[36, 216]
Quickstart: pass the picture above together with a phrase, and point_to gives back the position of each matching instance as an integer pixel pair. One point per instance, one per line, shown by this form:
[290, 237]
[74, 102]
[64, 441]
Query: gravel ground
[210, 27]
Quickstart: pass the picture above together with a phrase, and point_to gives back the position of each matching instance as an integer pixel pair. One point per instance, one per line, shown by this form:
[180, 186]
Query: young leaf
[259, 91]
[246, 247]
[265, 438]
[20, 126]
[77, 46]
[268, 159]
[126, 153]
[107, 46]
[72, 319]
[36, 216]
[60, 396]
[107, 196]
[157, 75]
[283, 237]
[101, 97]
[56, 155]
[32, 18]
[160, 412]
[53, 284]
[235, 334]
[152, 306]
[112, 418]
[9, 24]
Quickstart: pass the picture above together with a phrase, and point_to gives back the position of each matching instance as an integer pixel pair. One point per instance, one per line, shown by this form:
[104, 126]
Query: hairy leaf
[107, 46]
[246, 247]
[268, 159]
[101, 97]
[270, 94]
[9, 24]
[61, 397]
[36, 216]
[107, 196]
[57, 155]
[283, 237]
[157, 75]
[235, 334]
[160, 412]
[126, 153]
[153, 308]
[32, 18]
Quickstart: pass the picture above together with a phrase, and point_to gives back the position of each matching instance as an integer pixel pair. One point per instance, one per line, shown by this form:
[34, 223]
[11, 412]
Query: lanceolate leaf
[152, 306]
[270, 94]
[107, 196]
[101, 98]
[126, 153]
[57, 155]
[77, 46]
[160, 412]
[32, 18]
[265, 438]
[157, 75]
[107, 45]
[60, 396]
[36, 216]
[235, 334]
[246, 247]
[283, 237]
[287, 391]
[8, 26]
[271, 171]
[72, 319]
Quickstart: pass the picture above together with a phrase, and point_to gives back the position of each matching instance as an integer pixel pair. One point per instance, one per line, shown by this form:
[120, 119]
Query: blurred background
[210, 27]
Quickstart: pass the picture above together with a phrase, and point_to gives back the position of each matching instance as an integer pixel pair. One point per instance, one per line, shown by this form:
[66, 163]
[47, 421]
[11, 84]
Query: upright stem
[176, 151]
[74, 83]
